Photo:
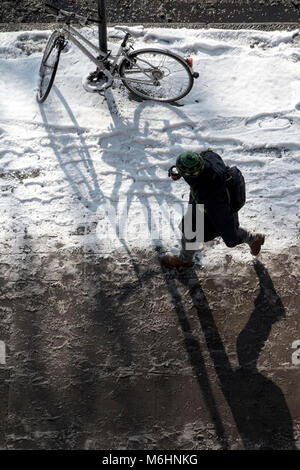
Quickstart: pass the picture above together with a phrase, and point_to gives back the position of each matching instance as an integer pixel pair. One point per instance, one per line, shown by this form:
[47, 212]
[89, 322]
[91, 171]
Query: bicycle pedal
[96, 77]
[96, 82]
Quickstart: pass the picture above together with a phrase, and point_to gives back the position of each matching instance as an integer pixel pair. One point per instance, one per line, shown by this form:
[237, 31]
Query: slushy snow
[71, 166]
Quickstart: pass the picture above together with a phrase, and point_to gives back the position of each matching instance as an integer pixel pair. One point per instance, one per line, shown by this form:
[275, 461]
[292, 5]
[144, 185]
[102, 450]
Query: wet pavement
[118, 354]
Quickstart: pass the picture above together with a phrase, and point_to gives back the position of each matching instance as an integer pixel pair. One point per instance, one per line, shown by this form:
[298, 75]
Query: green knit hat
[190, 164]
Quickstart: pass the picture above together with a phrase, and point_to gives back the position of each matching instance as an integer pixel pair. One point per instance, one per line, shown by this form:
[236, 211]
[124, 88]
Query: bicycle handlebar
[69, 14]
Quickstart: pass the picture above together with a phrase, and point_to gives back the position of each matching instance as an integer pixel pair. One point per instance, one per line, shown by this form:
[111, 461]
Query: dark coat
[210, 189]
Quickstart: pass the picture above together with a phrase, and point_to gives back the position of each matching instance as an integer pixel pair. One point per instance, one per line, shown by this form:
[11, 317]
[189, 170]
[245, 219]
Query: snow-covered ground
[66, 162]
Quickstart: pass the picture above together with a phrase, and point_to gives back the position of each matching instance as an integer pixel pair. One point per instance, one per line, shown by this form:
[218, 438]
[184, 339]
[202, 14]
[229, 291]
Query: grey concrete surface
[118, 354]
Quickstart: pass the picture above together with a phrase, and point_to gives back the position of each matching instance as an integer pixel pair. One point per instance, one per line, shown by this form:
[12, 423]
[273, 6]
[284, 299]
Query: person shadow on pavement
[257, 404]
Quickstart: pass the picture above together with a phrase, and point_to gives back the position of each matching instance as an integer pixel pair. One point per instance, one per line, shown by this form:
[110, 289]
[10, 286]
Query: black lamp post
[102, 25]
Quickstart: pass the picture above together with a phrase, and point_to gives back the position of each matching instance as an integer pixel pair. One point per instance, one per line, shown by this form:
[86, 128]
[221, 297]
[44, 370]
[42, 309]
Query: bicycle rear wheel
[49, 65]
[156, 74]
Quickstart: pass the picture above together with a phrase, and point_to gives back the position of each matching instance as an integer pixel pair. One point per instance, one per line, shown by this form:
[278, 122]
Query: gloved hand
[173, 173]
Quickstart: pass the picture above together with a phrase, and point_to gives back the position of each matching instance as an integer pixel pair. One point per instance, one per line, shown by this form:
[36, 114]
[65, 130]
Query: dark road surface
[162, 11]
[99, 357]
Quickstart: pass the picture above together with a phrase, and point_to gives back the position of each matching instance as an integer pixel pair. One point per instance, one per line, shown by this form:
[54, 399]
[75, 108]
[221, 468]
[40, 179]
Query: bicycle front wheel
[155, 74]
[49, 66]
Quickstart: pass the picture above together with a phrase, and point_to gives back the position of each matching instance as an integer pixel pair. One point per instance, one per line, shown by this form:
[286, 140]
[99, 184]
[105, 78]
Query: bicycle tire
[49, 66]
[159, 86]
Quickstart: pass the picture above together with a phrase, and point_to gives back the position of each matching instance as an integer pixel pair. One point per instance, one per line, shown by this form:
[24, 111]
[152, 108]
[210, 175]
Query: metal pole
[102, 25]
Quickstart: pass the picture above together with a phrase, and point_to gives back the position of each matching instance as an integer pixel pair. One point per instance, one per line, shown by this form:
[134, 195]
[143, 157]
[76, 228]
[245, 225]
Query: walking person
[221, 190]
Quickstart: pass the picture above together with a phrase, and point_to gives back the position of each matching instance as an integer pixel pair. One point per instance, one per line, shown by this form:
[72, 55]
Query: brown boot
[173, 261]
[258, 241]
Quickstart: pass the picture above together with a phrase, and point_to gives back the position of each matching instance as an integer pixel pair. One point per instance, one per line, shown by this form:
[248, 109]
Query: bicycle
[155, 74]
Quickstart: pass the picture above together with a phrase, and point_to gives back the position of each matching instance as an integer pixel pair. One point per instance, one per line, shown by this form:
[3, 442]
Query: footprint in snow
[269, 122]
[29, 43]
[34, 37]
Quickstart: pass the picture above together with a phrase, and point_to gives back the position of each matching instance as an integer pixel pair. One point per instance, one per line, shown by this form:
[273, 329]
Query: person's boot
[258, 241]
[174, 261]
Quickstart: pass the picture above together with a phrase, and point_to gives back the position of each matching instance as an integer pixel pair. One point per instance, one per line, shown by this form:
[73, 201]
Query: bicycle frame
[72, 34]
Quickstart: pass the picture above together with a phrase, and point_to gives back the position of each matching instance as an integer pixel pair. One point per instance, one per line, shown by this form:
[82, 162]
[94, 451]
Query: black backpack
[233, 179]
[236, 188]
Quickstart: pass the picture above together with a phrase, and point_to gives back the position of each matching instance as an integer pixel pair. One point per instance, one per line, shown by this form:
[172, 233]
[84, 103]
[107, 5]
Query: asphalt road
[162, 11]
[118, 354]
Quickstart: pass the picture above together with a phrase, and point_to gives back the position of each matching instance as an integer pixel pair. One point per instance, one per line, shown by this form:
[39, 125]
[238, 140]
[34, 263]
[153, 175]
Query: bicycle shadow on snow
[121, 126]
[83, 180]
[127, 134]
[146, 150]
[87, 174]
